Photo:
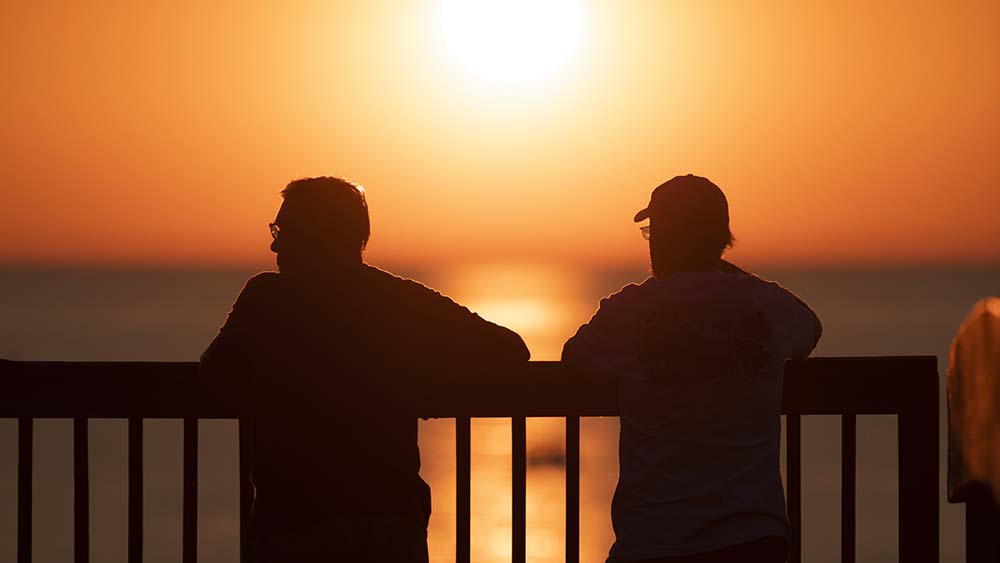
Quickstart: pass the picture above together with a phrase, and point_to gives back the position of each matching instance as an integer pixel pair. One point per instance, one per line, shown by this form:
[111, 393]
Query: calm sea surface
[171, 316]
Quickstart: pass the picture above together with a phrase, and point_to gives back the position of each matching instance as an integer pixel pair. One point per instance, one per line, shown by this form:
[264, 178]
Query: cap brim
[642, 215]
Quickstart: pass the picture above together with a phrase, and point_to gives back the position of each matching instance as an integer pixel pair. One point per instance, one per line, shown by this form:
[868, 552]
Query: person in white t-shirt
[699, 352]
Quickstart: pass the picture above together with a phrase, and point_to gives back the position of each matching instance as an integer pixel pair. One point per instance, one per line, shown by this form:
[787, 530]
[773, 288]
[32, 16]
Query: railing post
[25, 466]
[189, 522]
[81, 491]
[572, 489]
[135, 485]
[982, 520]
[848, 463]
[918, 474]
[519, 462]
[246, 485]
[463, 489]
[793, 476]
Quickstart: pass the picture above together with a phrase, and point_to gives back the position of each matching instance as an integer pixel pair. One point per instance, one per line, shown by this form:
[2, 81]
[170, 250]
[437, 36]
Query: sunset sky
[160, 133]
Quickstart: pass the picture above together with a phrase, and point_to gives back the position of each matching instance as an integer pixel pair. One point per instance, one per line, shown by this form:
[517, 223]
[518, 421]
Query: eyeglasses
[645, 231]
[275, 229]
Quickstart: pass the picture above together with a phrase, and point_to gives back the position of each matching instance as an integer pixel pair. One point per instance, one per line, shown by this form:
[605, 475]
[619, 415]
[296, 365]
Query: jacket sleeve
[460, 336]
[597, 350]
[233, 355]
[451, 353]
[798, 328]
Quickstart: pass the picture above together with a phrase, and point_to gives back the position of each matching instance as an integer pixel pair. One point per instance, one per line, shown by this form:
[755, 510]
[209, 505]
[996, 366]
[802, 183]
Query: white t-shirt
[700, 359]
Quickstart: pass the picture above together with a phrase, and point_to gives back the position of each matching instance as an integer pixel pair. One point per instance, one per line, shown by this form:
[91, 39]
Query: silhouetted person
[698, 350]
[330, 356]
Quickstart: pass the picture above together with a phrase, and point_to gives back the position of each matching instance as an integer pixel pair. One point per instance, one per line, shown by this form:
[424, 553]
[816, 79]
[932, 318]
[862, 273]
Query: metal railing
[902, 386]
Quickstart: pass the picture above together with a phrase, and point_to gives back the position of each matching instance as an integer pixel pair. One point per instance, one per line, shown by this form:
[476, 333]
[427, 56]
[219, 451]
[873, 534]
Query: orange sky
[161, 133]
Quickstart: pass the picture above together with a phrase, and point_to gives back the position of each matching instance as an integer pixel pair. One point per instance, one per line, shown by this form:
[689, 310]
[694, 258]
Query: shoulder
[405, 289]
[262, 279]
[258, 291]
[626, 298]
[632, 291]
[379, 278]
[768, 289]
[261, 284]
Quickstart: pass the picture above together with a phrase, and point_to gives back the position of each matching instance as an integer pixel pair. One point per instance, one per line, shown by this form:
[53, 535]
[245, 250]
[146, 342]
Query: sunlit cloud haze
[162, 132]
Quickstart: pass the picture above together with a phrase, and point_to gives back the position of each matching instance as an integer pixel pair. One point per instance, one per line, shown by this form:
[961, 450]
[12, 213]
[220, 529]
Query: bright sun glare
[511, 40]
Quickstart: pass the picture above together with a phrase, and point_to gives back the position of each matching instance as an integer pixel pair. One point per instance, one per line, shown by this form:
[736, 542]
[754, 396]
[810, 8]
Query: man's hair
[688, 243]
[331, 206]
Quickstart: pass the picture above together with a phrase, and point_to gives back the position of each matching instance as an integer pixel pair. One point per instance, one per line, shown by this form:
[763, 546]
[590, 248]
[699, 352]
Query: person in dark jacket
[329, 357]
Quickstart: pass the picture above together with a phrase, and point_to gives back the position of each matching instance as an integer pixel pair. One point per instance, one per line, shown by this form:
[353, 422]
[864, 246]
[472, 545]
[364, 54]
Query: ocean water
[172, 315]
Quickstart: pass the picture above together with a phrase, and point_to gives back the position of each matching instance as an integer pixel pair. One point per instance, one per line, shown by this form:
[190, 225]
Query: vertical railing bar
[519, 467]
[463, 489]
[848, 490]
[981, 523]
[793, 443]
[81, 491]
[25, 454]
[246, 485]
[189, 537]
[572, 489]
[919, 510]
[135, 484]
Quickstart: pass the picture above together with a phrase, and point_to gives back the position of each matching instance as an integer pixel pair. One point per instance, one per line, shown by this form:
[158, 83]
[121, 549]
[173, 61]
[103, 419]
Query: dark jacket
[331, 373]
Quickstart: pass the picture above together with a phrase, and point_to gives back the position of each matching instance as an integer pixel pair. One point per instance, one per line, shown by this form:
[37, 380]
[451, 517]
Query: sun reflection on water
[545, 305]
[541, 303]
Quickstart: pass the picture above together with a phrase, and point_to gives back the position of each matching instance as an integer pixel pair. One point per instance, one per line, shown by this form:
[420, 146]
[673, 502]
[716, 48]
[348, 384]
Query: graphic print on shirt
[688, 341]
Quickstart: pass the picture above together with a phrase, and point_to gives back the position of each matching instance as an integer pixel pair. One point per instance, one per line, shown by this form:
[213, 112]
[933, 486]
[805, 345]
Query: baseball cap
[690, 197]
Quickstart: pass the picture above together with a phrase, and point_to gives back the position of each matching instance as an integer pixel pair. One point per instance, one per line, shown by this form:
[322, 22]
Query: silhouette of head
[688, 225]
[322, 226]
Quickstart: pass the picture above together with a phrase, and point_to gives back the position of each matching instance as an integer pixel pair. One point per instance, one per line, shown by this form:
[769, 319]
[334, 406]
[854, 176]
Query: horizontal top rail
[848, 385]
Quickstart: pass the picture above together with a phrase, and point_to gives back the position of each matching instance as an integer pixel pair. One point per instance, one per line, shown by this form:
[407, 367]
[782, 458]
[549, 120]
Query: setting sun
[512, 40]
[478, 356]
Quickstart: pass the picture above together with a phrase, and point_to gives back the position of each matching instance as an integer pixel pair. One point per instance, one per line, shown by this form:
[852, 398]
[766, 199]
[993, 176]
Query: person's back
[699, 352]
[329, 362]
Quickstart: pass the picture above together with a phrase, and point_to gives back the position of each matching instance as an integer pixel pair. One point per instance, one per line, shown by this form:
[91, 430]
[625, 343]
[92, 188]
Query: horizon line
[403, 265]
